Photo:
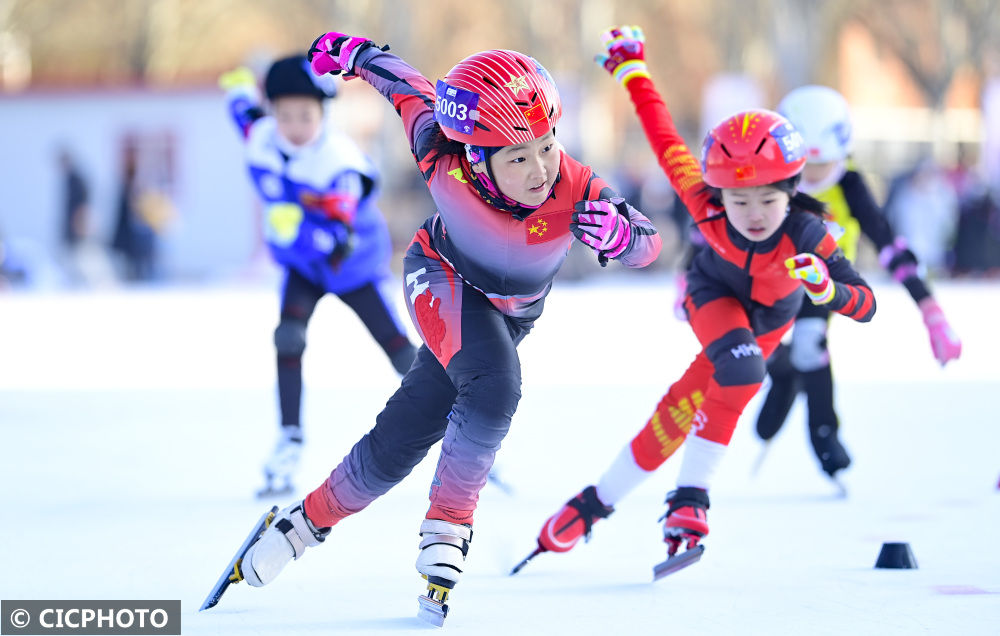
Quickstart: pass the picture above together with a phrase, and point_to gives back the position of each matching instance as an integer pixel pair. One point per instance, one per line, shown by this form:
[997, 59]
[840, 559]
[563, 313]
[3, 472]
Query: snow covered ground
[133, 425]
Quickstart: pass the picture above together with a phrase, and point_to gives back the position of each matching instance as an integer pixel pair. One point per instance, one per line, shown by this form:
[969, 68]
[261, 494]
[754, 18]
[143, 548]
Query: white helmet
[822, 116]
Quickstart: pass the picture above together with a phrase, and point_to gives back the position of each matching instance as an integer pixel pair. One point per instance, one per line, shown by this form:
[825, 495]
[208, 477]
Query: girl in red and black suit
[768, 246]
[510, 203]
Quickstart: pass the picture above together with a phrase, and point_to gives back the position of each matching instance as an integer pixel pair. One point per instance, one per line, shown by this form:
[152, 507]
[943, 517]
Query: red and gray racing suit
[476, 279]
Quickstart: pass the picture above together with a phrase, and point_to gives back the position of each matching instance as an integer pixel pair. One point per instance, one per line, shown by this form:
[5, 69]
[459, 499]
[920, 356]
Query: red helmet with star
[752, 148]
[497, 98]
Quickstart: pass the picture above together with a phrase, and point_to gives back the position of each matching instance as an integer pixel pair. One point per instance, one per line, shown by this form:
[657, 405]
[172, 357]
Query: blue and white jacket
[319, 201]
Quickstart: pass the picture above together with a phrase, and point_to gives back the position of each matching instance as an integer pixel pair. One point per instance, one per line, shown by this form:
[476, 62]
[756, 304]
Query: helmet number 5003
[451, 109]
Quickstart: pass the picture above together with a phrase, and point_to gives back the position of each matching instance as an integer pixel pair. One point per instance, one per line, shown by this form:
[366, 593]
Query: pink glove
[335, 52]
[811, 270]
[626, 58]
[602, 225]
[944, 340]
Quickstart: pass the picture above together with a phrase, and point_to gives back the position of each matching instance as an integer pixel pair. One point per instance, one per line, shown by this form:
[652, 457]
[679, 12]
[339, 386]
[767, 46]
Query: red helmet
[752, 148]
[497, 98]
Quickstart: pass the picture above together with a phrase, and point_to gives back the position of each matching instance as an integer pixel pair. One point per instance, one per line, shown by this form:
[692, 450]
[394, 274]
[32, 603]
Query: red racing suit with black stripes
[740, 299]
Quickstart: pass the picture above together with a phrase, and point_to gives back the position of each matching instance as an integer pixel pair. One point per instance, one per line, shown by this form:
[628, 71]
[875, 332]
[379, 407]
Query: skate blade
[678, 562]
[760, 459]
[841, 488]
[231, 574]
[431, 611]
[517, 568]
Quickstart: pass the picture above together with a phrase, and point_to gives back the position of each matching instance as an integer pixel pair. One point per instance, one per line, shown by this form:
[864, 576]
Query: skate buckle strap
[311, 535]
[441, 543]
[445, 539]
[686, 496]
[299, 532]
[590, 508]
[436, 526]
[285, 527]
[437, 532]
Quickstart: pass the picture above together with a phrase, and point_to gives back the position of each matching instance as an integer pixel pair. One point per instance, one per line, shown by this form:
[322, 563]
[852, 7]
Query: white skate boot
[284, 461]
[286, 538]
[443, 548]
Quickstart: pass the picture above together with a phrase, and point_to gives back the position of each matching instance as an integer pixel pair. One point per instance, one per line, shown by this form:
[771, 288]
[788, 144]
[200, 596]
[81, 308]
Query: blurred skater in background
[322, 227]
[822, 116]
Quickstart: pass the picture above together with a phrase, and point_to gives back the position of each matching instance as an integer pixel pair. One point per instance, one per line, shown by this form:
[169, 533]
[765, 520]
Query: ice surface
[134, 424]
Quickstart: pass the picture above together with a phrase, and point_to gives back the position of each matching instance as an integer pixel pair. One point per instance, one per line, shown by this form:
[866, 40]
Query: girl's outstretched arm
[409, 92]
[625, 61]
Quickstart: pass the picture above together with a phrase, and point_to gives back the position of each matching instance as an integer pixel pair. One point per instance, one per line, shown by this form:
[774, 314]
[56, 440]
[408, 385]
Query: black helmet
[293, 76]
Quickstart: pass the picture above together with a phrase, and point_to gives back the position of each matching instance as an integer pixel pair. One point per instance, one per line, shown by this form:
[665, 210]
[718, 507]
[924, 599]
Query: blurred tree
[934, 38]
[789, 41]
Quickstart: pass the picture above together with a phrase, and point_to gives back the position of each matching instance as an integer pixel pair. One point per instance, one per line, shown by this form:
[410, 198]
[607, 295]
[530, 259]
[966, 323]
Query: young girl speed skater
[768, 246]
[822, 116]
[322, 226]
[477, 273]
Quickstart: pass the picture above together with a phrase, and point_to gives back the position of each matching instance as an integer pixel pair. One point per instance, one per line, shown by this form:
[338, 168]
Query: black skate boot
[785, 386]
[831, 453]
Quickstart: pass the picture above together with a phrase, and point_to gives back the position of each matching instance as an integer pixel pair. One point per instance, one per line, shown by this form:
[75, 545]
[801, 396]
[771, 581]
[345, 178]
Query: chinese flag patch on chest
[546, 227]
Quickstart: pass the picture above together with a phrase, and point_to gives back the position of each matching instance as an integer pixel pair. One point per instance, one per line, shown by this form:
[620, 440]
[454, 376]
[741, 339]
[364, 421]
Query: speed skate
[678, 562]
[432, 606]
[232, 573]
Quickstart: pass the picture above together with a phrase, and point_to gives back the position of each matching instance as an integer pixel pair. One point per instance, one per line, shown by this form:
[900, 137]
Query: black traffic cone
[896, 556]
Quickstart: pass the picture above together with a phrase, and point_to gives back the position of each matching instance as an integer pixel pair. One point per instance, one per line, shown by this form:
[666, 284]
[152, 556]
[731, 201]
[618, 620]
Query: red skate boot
[686, 518]
[686, 523]
[564, 529]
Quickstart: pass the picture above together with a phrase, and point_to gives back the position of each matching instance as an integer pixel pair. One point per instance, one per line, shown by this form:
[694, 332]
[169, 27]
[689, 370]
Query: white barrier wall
[214, 229]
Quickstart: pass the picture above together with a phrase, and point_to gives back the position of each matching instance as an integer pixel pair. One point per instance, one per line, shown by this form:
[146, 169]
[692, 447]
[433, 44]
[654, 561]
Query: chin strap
[488, 191]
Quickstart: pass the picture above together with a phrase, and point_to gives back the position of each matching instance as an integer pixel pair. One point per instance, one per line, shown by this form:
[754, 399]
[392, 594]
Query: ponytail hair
[439, 146]
[800, 201]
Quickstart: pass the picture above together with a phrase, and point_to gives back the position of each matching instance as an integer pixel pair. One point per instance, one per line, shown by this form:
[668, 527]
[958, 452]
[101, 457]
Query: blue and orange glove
[811, 270]
[335, 53]
[626, 58]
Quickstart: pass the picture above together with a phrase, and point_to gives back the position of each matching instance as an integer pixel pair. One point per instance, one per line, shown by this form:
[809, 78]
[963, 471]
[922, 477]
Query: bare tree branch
[932, 39]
